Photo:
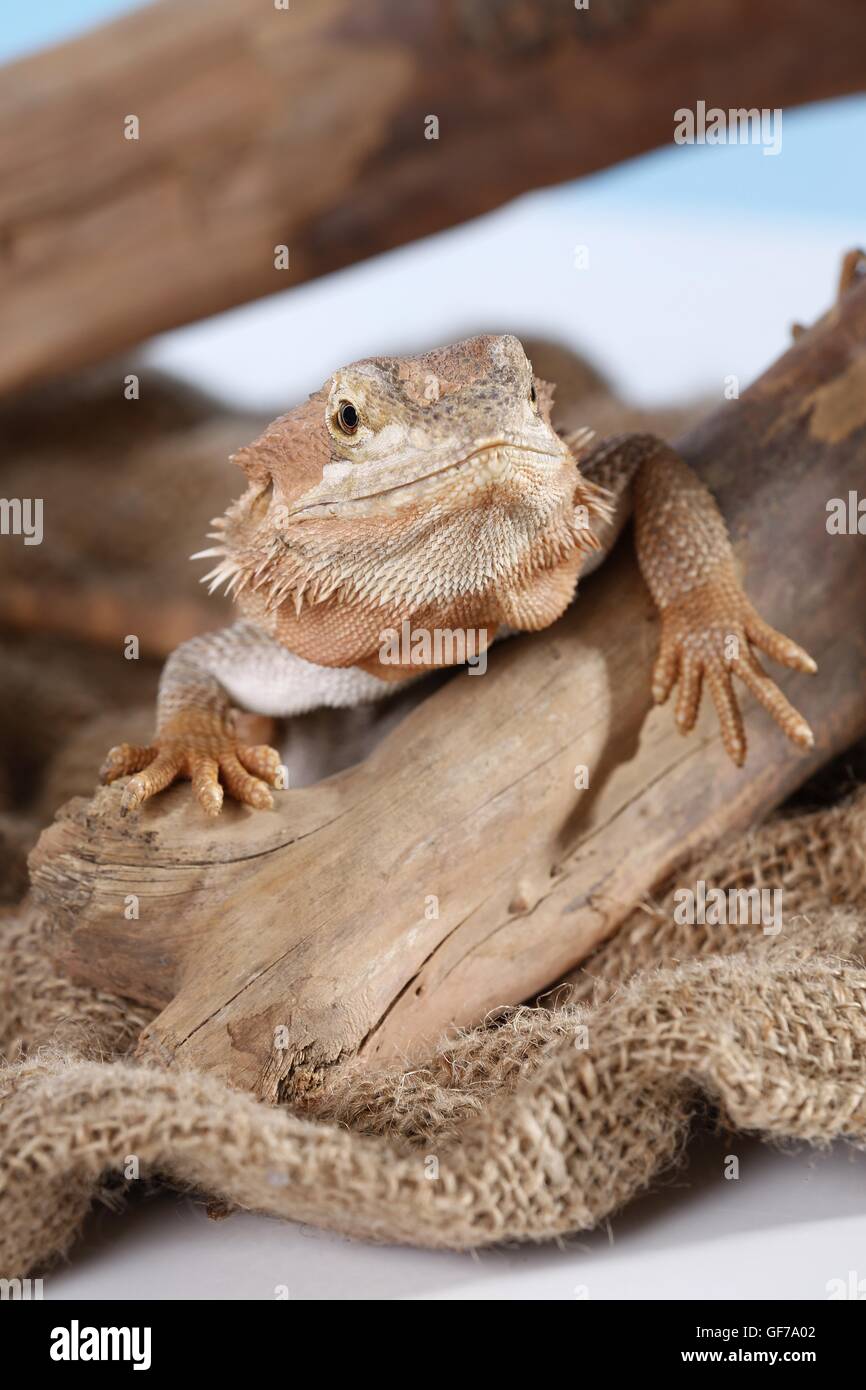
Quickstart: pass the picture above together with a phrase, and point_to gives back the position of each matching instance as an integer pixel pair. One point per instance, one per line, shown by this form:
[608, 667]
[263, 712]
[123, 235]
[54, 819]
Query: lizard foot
[710, 635]
[204, 749]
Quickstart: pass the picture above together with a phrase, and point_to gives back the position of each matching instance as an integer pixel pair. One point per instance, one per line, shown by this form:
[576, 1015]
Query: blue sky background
[26, 25]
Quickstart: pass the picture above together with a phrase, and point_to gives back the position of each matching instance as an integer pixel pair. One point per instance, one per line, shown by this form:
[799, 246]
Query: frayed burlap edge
[540, 1123]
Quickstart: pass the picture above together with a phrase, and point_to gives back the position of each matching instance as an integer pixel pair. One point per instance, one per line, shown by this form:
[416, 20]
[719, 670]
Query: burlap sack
[539, 1123]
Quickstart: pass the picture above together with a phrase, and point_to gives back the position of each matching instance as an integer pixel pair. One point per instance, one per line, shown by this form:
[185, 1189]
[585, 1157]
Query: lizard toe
[689, 693]
[206, 785]
[721, 688]
[777, 646]
[123, 759]
[665, 671]
[145, 784]
[264, 762]
[243, 786]
[767, 693]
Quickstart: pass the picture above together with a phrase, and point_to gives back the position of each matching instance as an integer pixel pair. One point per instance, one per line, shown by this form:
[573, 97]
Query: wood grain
[279, 945]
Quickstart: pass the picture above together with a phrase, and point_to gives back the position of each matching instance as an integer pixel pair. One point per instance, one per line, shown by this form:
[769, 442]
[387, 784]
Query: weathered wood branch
[305, 127]
[129, 489]
[315, 925]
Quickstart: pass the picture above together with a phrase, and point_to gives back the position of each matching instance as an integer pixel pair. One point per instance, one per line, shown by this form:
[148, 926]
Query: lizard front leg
[709, 628]
[203, 685]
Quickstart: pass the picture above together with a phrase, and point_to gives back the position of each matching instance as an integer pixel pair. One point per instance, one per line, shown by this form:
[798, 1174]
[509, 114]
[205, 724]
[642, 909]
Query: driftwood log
[160, 470]
[305, 125]
[458, 869]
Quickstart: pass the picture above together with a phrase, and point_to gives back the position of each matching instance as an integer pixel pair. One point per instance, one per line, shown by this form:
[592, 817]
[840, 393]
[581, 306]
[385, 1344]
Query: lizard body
[435, 489]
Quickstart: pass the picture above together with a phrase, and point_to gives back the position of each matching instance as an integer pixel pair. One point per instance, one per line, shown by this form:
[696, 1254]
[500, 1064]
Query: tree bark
[307, 127]
[458, 869]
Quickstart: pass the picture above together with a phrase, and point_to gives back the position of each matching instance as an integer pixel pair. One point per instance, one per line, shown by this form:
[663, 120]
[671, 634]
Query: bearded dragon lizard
[435, 488]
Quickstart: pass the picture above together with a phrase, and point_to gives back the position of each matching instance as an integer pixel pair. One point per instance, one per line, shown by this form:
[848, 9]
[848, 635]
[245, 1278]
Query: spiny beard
[399, 560]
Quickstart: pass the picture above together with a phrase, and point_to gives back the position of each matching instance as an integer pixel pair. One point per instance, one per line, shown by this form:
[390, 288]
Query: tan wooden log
[458, 869]
[128, 491]
[306, 127]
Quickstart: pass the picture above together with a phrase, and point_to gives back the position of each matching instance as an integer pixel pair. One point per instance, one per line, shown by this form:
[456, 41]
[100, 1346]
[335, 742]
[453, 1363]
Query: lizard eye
[533, 394]
[347, 418]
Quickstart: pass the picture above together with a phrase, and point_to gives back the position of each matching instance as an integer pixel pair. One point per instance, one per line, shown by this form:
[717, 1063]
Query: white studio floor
[790, 1225]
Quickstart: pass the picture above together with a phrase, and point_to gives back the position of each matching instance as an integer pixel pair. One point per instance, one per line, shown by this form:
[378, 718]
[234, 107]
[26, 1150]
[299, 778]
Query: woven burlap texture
[540, 1123]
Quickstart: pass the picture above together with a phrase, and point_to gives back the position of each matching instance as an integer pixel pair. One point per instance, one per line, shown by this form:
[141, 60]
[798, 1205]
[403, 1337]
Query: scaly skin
[709, 627]
[434, 489]
[198, 745]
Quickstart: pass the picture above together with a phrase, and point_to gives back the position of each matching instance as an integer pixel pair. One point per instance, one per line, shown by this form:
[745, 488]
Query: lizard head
[406, 477]
[440, 430]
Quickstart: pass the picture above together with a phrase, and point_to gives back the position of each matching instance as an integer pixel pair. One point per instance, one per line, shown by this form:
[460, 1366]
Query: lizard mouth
[488, 464]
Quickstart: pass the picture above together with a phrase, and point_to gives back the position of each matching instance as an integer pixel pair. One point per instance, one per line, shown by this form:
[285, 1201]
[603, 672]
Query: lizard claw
[708, 636]
[206, 752]
[124, 759]
[159, 773]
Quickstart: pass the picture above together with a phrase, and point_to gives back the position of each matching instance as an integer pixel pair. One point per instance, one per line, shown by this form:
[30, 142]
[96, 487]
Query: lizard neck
[456, 573]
